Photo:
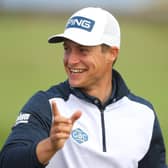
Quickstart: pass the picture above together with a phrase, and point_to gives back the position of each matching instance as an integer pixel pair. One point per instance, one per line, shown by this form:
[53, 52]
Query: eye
[84, 50]
[66, 49]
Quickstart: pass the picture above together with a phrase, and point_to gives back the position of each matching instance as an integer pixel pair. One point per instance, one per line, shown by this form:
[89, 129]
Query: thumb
[75, 116]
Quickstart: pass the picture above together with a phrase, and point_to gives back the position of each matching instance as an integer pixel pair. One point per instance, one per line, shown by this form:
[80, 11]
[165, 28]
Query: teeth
[76, 70]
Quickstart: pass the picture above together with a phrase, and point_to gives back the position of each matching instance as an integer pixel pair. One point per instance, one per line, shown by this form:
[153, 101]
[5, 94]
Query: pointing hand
[61, 127]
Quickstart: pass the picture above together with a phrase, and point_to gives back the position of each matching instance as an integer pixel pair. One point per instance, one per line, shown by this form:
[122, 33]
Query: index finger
[54, 110]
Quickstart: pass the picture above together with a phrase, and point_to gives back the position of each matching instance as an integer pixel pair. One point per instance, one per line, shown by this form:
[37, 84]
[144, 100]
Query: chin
[75, 84]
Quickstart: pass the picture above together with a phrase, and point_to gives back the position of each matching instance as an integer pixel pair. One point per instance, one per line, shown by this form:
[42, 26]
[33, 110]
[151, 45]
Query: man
[92, 119]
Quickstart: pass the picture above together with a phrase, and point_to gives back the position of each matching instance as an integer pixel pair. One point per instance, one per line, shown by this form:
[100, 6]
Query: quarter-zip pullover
[122, 133]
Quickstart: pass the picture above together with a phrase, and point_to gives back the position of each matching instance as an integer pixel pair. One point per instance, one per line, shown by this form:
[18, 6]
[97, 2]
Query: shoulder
[39, 103]
[140, 100]
[41, 98]
[62, 90]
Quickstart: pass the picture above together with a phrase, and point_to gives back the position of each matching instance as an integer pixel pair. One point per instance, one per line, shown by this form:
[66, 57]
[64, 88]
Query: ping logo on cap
[81, 23]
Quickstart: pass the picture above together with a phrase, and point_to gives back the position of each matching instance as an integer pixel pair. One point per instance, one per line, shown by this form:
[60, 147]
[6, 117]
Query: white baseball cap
[90, 26]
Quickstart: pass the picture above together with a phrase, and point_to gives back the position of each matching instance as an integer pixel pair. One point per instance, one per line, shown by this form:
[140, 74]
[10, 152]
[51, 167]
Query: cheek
[65, 63]
[65, 60]
[99, 62]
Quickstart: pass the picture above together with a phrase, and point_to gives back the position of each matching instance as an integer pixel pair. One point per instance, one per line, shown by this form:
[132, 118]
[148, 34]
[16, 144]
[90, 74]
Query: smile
[75, 70]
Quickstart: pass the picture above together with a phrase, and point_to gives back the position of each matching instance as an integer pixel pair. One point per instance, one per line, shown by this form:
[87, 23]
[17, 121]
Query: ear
[113, 54]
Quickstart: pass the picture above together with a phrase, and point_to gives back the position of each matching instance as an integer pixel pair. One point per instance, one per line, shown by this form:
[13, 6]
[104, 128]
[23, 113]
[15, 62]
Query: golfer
[92, 119]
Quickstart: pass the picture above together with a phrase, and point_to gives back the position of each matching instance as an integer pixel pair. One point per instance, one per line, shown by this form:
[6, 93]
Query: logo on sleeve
[81, 23]
[79, 136]
[22, 118]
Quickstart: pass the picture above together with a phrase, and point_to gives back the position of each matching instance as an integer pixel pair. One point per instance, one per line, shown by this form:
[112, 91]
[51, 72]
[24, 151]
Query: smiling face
[87, 66]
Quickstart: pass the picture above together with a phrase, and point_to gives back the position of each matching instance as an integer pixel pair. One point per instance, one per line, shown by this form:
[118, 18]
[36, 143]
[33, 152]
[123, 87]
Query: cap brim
[56, 38]
[83, 41]
[87, 41]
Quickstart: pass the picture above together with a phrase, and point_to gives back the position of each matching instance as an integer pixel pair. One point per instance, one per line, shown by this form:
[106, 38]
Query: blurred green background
[28, 63]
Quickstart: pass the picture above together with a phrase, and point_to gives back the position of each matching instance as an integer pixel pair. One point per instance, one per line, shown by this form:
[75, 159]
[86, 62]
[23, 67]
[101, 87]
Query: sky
[58, 5]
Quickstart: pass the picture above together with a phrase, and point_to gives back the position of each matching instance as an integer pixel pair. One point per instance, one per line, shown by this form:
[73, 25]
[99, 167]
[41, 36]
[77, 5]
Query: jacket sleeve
[32, 125]
[155, 157]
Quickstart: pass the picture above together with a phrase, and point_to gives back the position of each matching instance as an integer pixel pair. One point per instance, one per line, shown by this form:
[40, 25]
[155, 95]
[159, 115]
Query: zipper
[103, 130]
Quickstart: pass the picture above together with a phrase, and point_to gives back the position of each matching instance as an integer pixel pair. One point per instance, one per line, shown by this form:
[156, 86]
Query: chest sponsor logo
[81, 23]
[79, 136]
[22, 118]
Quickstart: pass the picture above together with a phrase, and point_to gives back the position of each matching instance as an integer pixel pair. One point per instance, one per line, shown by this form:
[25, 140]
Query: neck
[102, 92]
